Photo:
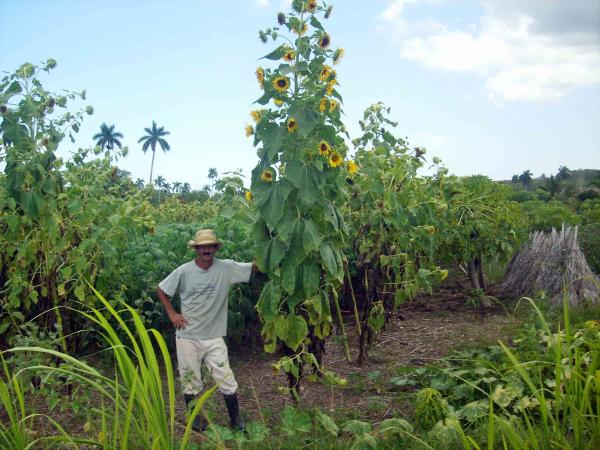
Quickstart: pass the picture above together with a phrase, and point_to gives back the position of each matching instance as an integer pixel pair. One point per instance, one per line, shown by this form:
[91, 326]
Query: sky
[492, 87]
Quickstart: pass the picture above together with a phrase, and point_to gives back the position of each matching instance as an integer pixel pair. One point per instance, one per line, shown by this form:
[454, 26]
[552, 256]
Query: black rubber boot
[199, 424]
[233, 407]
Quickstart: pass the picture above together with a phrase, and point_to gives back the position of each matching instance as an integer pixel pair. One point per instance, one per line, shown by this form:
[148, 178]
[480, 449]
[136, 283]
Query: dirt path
[422, 332]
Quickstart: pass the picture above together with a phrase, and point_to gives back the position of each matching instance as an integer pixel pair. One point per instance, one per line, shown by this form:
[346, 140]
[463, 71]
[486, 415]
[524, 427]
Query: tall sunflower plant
[298, 187]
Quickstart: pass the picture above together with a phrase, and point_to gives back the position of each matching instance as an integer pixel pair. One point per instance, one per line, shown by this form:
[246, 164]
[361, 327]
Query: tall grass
[137, 408]
[568, 412]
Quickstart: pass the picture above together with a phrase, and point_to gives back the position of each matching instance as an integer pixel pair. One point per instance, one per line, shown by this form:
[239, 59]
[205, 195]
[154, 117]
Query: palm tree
[108, 137]
[186, 188]
[177, 186]
[139, 183]
[154, 136]
[526, 178]
[552, 185]
[212, 174]
[563, 173]
[515, 179]
[159, 182]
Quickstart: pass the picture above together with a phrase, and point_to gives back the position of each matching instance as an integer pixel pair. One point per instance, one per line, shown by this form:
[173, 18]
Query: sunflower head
[333, 104]
[292, 125]
[330, 85]
[260, 76]
[323, 104]
[249, 130]
[289, 56]
[352, 167]
[267, 176]
[311, 5]
[338, 55]
[324, 41]
[281, 84]
[325, 73]
[335, 160]
[278, 101]
[324, 148]
[300, 28]
[248, 196]
[256, 116]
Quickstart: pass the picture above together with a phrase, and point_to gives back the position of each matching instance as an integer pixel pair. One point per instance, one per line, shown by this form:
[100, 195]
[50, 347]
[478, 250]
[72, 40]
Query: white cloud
[523, 49]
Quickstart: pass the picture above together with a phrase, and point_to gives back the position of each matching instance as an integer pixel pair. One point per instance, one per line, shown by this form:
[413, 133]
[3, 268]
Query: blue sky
[492, 87]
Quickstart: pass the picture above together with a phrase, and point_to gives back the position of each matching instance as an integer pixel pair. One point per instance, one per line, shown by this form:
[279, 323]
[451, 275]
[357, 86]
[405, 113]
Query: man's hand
[178, 320]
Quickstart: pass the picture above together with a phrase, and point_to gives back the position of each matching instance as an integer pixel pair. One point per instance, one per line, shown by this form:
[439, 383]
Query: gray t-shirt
[203, 295]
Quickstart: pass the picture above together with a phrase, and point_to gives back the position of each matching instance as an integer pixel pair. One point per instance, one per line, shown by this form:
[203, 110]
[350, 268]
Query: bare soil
[422, 332]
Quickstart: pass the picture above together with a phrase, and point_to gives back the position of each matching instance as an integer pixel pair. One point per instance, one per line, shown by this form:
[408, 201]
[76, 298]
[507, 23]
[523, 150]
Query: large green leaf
[328, 260]
[331, 216]
[312, 238]
[306, 179]
[268, 302]
[311, 277]
[288, 278]
[296, 332]
[272, 139]
[277, 53]
[277, 251]
[269, 199]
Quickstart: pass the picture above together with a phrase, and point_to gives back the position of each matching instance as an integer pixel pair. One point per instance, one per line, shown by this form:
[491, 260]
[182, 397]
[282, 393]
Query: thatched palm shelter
[552, 263]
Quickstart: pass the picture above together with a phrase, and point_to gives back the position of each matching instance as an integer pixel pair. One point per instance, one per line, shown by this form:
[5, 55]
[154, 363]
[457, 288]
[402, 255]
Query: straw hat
[205, 237]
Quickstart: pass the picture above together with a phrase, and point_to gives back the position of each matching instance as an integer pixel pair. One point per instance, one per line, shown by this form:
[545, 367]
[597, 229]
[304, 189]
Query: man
[203, 285]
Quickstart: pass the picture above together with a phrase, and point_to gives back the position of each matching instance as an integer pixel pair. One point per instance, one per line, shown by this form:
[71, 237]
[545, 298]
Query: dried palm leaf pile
[552, 263]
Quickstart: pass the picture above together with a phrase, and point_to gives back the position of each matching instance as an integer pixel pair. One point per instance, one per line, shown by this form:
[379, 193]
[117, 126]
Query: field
[377, 316]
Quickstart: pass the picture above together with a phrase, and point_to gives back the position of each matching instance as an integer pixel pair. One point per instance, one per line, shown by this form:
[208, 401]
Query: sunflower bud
[50, 63]
[51, 103]
[89, 110]
[328, 11]
[281, 18]
[26, 70]
[3, 109]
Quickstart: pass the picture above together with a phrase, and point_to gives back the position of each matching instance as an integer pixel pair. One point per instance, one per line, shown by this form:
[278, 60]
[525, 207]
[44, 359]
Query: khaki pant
[191, 353]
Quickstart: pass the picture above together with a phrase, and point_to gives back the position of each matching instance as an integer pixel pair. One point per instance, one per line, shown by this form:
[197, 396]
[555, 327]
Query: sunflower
[248, 196]
[324, 148]
[352, 167]
[311, 5]
[330, 85]
[324, 41]
[267, 176]
[292, 125]
[278, 101]
[289, 56]
[325, 72]
[260, 76]
[323, 104]
[300, 28]
[249, 130]
[335, 160]
[333, 104]
[281, 84]
[256, 115]
[337, 55]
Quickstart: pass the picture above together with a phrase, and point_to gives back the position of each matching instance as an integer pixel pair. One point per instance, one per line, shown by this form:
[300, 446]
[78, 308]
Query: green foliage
[589, 241]
[543, 216]
[60, 221]
[298, 186]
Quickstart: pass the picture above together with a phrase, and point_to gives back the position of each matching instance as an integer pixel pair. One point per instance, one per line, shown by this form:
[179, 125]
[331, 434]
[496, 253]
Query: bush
[542, 216]
[589, 241]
